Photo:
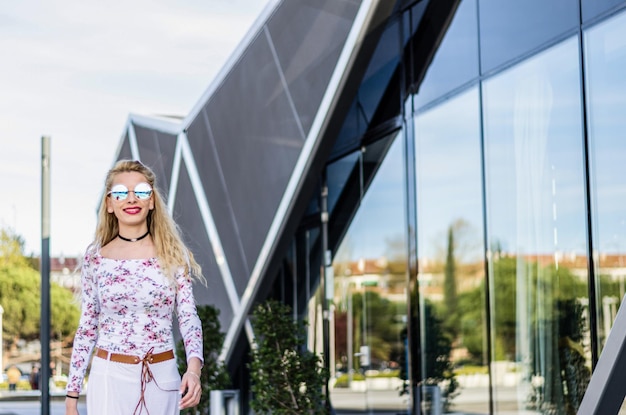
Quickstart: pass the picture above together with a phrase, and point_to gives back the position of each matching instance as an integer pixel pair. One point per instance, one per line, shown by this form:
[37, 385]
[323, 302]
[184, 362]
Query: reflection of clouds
[381, 215]
[534, 153]
[606, 91]
[448, 170]
[456, 58]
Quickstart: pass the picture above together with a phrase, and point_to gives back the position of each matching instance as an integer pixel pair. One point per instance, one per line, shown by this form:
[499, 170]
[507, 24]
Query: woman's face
[130, 198]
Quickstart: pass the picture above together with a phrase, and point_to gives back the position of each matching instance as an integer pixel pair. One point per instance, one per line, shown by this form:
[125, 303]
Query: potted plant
[287, 379]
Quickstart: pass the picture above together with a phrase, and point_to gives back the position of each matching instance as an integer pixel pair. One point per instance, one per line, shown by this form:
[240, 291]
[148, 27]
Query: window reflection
[456, 59]
[451, 275]
[536, 234]
[504, 27]
[592, 8]
[370, 295]
[605, 51]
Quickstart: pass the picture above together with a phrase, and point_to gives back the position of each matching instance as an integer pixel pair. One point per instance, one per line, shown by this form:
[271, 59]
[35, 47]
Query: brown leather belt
[133, 360]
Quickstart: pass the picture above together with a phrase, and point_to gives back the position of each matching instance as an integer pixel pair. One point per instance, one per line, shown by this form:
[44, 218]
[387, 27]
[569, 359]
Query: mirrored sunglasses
[120, 192]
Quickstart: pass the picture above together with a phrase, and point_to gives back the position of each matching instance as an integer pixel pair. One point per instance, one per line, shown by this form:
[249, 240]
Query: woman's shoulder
[92, 250]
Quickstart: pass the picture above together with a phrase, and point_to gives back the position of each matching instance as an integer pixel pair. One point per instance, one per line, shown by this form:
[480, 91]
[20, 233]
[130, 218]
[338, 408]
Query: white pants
[115, 388]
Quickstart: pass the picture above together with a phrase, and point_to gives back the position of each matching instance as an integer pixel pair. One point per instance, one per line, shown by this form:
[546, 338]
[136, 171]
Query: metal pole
[350, 339]
[45, 276]
[326, 287]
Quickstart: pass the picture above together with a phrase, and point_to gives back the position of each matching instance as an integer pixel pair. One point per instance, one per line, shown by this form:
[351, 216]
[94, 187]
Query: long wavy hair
[171, 250]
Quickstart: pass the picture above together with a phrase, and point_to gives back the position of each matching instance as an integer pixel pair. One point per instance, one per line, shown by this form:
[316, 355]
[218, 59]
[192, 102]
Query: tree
[471, 313]
[11, 249]
[214, 374]
[20, 296]
[287, 379]
[382, 331]
[436, 369]
[449, 286]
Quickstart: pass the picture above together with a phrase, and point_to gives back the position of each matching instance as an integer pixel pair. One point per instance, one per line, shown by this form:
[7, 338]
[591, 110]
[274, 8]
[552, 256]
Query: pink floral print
[128, 307]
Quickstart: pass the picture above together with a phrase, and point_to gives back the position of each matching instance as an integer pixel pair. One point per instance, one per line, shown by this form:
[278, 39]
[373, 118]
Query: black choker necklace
[133, 239]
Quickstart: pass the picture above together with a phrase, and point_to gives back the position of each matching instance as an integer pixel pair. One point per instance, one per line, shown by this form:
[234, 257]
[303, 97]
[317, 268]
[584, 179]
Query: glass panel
[450, 250]
[370, 296]
[456, 60]
[593, 8]
[369, 107]
[338, 174]
[380, 71]
[537, 234]
[605, 51]
[509, 29]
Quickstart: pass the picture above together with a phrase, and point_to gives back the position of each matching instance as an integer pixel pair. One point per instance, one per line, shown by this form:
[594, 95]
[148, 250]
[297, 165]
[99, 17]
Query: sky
[74, 71]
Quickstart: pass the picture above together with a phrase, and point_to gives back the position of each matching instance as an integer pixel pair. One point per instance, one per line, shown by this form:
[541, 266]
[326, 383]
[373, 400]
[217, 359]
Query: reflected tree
[435, 369]
[450, 287]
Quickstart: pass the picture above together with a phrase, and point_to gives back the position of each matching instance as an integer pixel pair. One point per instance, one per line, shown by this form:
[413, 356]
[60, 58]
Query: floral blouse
[127, 307]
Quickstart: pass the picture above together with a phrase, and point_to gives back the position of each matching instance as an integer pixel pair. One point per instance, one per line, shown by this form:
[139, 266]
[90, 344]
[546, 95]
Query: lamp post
[327, 286]
[45, 275]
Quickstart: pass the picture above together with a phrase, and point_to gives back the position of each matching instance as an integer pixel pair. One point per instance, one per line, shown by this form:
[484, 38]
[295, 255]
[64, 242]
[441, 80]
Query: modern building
[436, 186]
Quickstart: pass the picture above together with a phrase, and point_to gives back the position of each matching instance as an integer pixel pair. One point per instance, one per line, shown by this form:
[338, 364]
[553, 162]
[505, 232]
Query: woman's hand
[190, 389]
[190, 386]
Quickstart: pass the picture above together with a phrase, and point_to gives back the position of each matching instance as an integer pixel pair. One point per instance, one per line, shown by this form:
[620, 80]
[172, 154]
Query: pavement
[29, 403]
[344, 402]
[57, 407]
[31, 395]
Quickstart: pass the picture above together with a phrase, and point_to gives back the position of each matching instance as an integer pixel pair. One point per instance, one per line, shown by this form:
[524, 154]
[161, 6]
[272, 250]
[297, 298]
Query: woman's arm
[191, 330]
[87, 332]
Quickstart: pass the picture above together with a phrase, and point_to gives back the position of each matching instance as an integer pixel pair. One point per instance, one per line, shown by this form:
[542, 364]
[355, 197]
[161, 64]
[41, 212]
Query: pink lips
[132, 210]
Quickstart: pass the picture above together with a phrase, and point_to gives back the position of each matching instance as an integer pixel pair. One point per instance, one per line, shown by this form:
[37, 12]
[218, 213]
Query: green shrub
[287, 379]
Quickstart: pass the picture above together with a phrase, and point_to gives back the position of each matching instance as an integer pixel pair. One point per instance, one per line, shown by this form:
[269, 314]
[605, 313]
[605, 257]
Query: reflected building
[436, 186]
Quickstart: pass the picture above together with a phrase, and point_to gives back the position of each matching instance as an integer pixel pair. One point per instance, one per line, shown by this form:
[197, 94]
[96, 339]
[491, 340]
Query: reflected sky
[509, 29]
[533, 151]
[605, 50]
[456, 59]
[541, 97]
[381, 216]
[448, 172]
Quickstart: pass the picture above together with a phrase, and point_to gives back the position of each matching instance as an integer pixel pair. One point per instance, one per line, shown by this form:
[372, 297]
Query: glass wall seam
[526, 55]
[488, 283]
[448, 95]
[595, 349]
[411, 252]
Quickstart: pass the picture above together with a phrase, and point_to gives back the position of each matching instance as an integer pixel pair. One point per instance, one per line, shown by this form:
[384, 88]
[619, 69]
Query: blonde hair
[171, 250]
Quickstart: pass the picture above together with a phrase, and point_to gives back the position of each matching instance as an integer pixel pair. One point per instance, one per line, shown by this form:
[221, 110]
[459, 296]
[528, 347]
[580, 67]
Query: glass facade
[451, 275]
[370, 296]
[477, 266]
[536, 230]
[605, 83]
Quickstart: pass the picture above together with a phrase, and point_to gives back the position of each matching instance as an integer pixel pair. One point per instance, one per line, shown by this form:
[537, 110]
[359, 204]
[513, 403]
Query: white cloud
[74, 70]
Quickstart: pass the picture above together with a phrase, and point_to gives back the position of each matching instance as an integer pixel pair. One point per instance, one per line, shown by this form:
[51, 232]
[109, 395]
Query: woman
[135, 275]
